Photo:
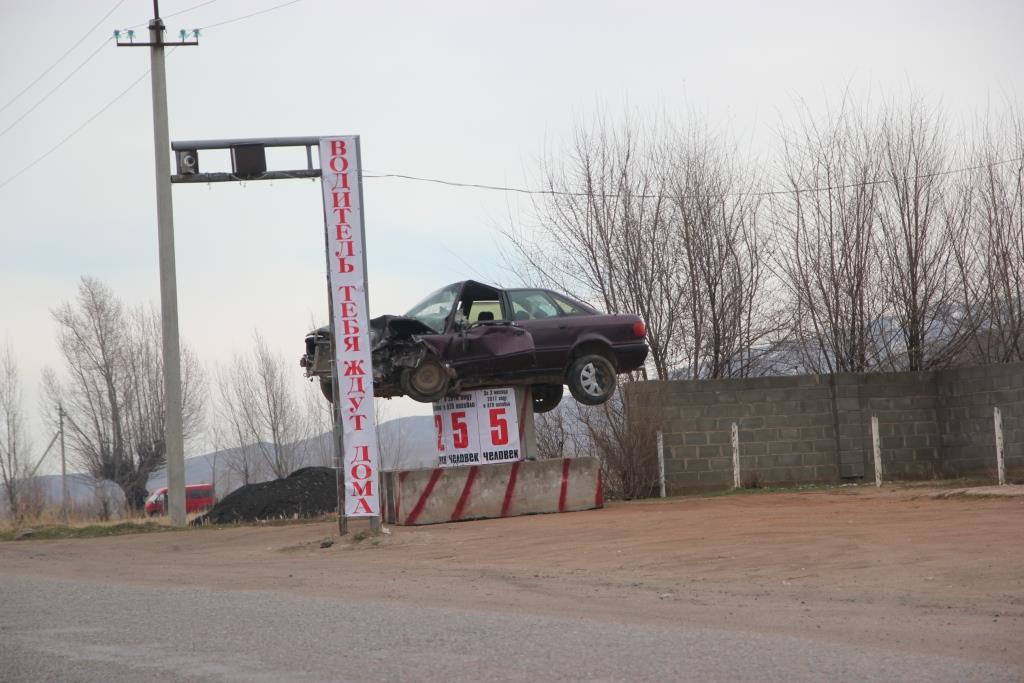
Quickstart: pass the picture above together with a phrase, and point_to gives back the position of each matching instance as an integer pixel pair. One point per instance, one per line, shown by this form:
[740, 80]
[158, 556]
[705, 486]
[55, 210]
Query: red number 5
[460, 431]
[499, 427]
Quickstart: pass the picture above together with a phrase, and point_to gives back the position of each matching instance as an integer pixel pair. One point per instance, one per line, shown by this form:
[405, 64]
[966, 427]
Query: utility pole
[173, 436]
[63, 468]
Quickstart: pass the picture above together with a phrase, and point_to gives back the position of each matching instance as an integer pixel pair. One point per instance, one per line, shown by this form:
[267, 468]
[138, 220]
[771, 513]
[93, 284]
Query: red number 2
[439, 428]
[499, 427]
[460, 431]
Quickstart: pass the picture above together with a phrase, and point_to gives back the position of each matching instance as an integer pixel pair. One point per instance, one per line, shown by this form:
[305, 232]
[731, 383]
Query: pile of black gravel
[309, 492]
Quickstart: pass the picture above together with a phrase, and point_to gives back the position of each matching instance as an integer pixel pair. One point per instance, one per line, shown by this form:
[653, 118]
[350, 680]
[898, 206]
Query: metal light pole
[173, 438]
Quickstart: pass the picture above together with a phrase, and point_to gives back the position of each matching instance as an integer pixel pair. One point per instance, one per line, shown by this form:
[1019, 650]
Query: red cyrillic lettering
[359, 489]
[343, 265]
[346, 248]
[354, 367]
[338, 164]
[342, 199]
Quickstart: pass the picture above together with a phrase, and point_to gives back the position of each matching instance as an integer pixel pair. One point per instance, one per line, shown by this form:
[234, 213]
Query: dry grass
[51, 518]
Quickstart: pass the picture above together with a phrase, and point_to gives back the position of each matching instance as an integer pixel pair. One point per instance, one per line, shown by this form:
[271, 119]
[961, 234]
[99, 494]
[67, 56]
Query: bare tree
[14, 455]
[113, 395]
[922, 237]
[626, 446]
[320, 420]
[828, 255]
[603, 232]
[392, 444]
[998, 241]
[560, 432]
[259, 412]
[720, 257]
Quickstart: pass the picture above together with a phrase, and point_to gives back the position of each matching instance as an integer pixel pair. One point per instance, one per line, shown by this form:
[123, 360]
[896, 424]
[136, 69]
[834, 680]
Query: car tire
[327, 389]
[591, 379]
[427, 382]
[546, 397]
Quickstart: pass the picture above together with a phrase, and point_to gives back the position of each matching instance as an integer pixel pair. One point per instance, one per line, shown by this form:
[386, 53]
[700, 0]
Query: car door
[492, 349]
[482, 342]
[553, 338]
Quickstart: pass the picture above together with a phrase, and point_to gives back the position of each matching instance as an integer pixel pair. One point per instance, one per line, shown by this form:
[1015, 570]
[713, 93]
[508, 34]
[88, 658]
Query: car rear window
[566, 306]
[200, 493]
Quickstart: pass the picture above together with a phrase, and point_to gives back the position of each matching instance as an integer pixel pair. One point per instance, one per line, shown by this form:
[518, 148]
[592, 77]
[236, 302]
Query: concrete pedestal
[526, 487]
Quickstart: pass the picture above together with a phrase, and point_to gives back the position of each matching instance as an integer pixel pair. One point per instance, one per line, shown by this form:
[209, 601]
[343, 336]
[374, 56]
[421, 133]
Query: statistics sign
[343, 215]
[479, 427]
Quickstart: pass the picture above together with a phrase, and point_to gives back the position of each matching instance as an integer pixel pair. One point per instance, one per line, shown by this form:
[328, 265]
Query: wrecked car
[469, 335]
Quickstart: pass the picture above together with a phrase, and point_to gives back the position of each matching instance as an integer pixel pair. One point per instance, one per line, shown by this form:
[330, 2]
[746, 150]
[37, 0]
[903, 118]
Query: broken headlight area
[396, 344]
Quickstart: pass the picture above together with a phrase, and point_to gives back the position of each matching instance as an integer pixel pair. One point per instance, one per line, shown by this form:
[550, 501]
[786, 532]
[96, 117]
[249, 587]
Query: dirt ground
[908, 569]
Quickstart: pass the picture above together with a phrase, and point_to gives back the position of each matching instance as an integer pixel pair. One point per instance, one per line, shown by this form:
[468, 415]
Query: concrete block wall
[966, 426]
[817, 428]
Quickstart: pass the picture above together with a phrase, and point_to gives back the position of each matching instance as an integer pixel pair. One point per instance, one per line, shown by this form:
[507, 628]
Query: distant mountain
[84, 492]
[405, 443]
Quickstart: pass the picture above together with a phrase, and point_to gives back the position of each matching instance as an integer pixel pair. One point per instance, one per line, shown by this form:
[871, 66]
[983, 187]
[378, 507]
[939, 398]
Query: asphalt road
[60, 630]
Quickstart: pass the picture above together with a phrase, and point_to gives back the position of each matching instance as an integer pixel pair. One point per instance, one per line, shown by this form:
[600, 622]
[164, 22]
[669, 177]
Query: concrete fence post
[661, 462]
[877, 448]
[735, 455]
[997, 418]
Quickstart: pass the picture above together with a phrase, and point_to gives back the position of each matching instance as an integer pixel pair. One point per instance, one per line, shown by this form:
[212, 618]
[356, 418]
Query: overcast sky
[467, 91]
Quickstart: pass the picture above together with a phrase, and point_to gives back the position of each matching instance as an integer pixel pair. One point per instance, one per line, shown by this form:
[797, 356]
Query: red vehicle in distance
[198, 498]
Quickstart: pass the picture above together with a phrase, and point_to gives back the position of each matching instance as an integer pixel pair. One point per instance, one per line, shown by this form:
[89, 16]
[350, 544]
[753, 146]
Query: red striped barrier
[490, 491]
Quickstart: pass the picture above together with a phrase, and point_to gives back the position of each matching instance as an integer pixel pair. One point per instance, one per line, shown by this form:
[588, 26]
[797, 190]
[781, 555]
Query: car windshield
[434, 310]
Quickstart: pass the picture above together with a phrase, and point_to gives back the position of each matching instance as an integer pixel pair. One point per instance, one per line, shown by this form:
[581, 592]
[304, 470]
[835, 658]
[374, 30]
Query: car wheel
[591, 379]
[327, 389]
[427, 382]
[546, 397]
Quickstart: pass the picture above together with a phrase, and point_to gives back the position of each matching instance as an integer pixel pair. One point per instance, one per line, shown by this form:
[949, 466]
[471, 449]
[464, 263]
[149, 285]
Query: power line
[187, 9]
[175, 14]
[55, 88]
[80, 66]
[615, 195]
[247, 16]
[132, 85]
[76, 130]
[61, 58]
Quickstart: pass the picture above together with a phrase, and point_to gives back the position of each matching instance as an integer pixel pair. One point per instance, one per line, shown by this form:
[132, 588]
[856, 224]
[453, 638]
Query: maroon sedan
[470, 335]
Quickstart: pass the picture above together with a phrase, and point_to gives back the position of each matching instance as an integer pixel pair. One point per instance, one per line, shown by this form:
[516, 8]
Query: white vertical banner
[343, 216]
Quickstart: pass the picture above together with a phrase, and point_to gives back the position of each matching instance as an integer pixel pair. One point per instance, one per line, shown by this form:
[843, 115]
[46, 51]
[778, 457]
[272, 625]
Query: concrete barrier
[527, 487]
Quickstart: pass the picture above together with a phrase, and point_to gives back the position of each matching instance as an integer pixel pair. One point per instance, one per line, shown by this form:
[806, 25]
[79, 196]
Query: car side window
[531, 305]
[567, 307]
